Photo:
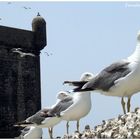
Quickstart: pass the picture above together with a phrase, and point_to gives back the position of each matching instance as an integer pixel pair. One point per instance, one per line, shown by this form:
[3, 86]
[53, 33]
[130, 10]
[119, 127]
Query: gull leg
[128, 104]
[67, 125]
[50, 130]
[78, 125]
[123, 105]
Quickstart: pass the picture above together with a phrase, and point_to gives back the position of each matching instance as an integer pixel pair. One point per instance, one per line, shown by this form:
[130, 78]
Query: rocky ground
[124, 126]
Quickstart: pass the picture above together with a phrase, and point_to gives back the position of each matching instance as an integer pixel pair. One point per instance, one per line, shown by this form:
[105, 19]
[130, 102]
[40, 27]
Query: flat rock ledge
[122, 127]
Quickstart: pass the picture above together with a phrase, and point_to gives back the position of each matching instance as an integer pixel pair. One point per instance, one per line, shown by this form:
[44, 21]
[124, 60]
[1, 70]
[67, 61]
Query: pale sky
[82, 36]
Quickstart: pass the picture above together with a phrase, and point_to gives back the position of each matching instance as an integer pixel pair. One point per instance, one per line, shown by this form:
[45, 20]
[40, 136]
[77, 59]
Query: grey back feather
[62, 105]
[105, 79]
[39, 116]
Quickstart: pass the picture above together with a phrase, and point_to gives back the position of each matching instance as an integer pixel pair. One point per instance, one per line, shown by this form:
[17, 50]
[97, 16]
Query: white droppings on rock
[124, 126]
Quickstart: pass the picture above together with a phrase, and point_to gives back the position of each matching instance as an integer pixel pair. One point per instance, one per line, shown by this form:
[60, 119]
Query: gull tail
[81, 86]
[75, 83]
[82, 89]
[23, 124]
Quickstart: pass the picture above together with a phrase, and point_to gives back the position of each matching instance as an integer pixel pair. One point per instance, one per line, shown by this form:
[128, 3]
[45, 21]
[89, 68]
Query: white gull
[61, 95]
[45, 118]
[121, 78]
[31, 132]
[80, 103]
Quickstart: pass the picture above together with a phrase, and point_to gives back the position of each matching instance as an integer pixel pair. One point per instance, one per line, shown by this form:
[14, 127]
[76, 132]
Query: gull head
[86, 76]
[31, 132]
[62, 94]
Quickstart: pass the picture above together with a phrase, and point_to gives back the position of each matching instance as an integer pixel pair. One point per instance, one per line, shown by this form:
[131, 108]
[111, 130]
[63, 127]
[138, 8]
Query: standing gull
[121, 78]
[75, 107]
[85, 77]
[62, 95]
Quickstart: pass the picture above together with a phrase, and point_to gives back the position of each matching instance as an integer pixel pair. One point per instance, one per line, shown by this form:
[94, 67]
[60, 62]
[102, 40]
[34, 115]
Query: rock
[122, 127]
[87, 127]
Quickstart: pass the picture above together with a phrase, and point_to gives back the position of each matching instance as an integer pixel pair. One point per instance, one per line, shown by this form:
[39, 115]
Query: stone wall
[20, 93]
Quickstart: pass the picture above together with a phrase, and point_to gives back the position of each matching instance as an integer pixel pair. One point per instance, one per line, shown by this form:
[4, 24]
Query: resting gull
[61, 95]
[121, 78]
[31, 132]
[42, 119]
[45, 118]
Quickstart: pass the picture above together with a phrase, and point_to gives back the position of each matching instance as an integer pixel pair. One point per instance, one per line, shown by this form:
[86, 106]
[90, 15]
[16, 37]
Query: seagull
[26, 7]
[44, 118]
[22, 54]
[41, 119]
[31, 132]
[48, 53]
[77, 105]
[120, 79]
[60, 96]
